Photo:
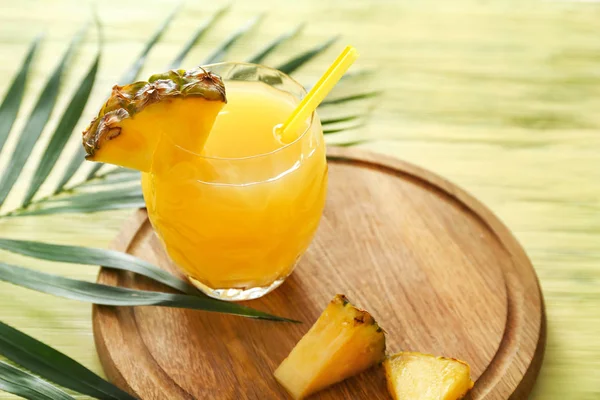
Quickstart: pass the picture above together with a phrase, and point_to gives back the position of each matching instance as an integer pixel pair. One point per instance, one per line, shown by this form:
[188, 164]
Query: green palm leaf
[55, 366]
[23, 384]
[79, 199]
[35, 124]
[336, 120]
[95, 257]
[73, 165]
[65, 128]
[219, 53]
[292, 65]
[114, 199]
[114, 179]
[268, 49]
[345, 99]
[132, 73]
[202, 29]
[91, 197]
[63, 132]
[341, 129]
[12, 101]
[118, 296]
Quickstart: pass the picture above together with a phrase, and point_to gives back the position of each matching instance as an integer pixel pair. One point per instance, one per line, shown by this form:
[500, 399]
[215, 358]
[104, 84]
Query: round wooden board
[433, 265]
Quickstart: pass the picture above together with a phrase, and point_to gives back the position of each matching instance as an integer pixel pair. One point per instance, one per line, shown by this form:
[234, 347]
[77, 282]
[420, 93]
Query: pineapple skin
[343, 342]
[138, 113]
[449, 378]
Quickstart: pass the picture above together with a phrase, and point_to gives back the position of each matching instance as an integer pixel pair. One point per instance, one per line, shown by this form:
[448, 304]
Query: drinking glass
[236, 227]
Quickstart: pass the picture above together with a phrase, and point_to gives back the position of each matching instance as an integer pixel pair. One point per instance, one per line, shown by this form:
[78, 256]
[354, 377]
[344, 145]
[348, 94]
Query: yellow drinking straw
[316, 95]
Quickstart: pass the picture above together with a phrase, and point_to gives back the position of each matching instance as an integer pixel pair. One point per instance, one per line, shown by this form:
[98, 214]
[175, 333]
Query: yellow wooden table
[501, 97]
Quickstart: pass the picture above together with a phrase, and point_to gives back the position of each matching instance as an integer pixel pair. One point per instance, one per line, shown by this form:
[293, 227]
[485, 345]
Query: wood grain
[435, 267]
[501, 97]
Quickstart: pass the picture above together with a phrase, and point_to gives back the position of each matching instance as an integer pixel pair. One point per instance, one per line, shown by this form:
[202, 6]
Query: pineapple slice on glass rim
[343, 342]
[178, 105]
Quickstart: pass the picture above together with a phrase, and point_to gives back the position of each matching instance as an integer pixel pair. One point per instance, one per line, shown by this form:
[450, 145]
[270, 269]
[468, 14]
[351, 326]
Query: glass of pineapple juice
[237, 217]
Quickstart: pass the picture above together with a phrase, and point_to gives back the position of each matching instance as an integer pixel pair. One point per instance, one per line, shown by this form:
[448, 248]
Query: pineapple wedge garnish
[343, 342]
[174, 108]
[416, 376]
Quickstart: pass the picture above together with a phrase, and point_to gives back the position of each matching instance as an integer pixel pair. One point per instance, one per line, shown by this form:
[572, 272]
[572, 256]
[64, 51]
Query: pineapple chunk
[174, 108]
[416, 376]
[343, 342]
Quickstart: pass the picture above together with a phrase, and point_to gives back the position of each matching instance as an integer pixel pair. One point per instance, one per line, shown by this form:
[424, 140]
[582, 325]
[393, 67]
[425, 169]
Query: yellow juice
[240, 214]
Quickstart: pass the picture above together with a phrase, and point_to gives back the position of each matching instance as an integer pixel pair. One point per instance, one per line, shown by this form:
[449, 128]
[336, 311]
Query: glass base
[236, 294]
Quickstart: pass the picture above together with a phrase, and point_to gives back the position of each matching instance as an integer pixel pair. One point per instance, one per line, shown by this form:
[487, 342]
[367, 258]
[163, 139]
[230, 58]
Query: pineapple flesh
[343, 342]
[416, 376]
[174, 108]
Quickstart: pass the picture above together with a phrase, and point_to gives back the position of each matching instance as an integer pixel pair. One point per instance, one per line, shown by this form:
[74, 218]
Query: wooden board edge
[102, 314]
[99, 313]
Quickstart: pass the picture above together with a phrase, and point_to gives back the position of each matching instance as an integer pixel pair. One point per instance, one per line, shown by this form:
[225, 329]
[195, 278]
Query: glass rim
[272, 152]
